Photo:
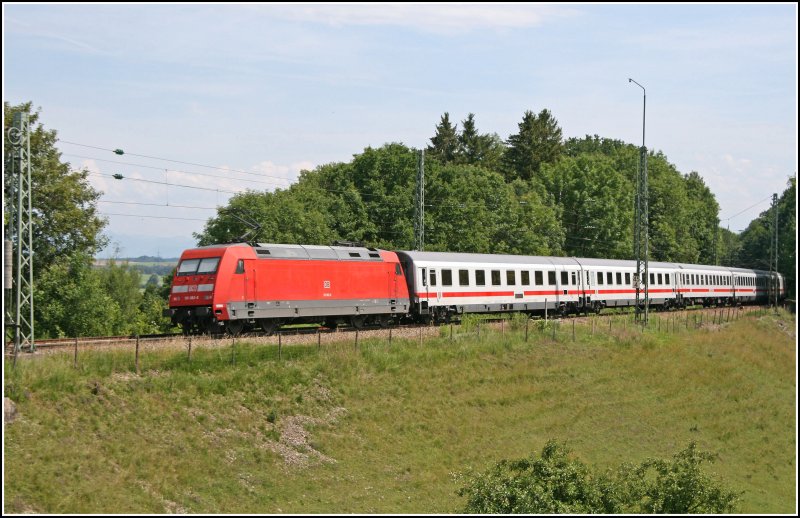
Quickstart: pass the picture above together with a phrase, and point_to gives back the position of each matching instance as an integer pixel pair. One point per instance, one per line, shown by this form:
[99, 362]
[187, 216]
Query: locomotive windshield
[198, 266]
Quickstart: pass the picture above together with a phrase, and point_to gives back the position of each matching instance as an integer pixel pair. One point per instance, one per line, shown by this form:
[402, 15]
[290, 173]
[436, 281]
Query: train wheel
[357, 321]
[383, 320]
[234, 327]
[269, 325]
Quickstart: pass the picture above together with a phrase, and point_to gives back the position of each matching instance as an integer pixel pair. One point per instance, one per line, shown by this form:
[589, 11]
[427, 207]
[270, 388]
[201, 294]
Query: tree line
[532, 193]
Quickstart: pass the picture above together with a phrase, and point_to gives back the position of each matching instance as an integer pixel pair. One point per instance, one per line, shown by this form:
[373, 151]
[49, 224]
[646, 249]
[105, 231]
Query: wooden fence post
[137, 354]
[527, 321]
[189, 356]
[280, 340]
[75, 361]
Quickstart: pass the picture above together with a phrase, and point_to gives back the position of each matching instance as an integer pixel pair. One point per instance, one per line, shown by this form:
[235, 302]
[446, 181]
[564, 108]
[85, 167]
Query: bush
[556, 483]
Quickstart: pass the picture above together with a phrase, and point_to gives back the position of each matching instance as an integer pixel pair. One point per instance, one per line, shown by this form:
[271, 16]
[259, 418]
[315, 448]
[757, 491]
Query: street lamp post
[641, 234]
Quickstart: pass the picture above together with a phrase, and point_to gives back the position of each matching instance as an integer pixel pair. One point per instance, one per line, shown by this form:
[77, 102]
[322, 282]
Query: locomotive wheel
[357, 321]
[234, 327]
[268, 325]
[383, 320]
[331, 323]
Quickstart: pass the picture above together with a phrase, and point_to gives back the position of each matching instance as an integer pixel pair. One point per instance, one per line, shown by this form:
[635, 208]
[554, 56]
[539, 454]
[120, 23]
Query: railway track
[128, 340]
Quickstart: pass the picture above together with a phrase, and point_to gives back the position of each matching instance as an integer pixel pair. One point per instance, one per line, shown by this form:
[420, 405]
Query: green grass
[392, 424]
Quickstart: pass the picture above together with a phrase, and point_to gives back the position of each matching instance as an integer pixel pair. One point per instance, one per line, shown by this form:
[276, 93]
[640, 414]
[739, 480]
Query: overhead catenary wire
[218, 168]
[748, 208]
[120, 177]
[149, 216]
[266, 182]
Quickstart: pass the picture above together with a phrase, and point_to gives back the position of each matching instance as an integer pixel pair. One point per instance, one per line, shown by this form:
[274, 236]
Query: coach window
[511, 278]
[628, 279]
[495, 277]
[600, 278]
[447, 277]
[619, 277]
[574, 278]
[652, 279]
[526, 277]
[463, 277]
[660, 279]
[538, 278]
[666, 276]
[610, 278]
[433, 277]
[480, 277]
[551, 278]
[240, 266]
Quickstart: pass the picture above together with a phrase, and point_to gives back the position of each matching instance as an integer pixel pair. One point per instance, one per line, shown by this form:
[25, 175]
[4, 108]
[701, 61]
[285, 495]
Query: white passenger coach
[443, 284]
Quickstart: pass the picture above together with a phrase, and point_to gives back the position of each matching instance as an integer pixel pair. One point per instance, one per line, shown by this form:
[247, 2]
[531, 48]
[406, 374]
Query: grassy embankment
[382, 429]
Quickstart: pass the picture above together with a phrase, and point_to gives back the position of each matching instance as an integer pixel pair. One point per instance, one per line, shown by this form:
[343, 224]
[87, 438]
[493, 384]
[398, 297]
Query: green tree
[71, 300]
[758, 238]
[445, 143]
[594, 201]
[471, 209]
[703, 216]
[121, 283]
[65, 220]
[474, 148]
[537, 142]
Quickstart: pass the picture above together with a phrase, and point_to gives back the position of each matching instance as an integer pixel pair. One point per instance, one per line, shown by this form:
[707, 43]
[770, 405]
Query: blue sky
[271, 89]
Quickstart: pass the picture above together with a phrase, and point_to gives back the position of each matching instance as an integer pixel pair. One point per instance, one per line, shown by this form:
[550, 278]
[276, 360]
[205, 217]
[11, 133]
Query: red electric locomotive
[240, 286]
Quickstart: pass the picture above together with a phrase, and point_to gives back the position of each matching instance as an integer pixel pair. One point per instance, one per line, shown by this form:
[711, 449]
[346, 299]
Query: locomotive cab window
[240, 266]
[188, 267]
[480, 277]
[208, 265]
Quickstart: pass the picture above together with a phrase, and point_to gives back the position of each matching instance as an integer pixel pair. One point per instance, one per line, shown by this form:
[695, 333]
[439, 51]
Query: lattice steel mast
[20, 231]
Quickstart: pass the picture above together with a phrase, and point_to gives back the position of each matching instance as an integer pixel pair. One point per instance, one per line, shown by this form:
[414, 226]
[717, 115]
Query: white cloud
[442, 18]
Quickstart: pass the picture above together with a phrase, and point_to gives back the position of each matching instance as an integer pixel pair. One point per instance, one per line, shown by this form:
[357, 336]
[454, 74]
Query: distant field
[382, 429]
[147, 267]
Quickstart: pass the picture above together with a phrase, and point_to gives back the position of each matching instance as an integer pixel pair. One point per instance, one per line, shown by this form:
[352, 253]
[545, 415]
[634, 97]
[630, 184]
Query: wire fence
[287, 344]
